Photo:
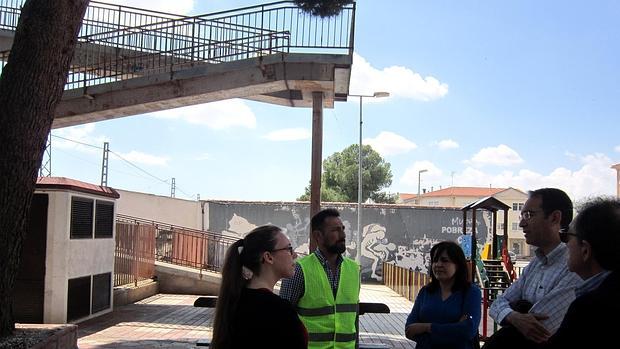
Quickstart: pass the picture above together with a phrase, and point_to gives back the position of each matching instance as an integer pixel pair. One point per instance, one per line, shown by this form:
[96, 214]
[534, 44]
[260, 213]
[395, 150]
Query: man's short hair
[555, 199]
[316, 223]
[598, 223]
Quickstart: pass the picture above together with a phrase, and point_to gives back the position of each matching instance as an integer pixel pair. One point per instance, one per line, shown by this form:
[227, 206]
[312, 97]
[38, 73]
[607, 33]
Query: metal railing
[184, 246]
[99, 16]
[134, 255]
[120, 42]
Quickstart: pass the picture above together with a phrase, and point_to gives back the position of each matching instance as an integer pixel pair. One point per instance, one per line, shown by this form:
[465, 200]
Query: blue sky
[501, 93]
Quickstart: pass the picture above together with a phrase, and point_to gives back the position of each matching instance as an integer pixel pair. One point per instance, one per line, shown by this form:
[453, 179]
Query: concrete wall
[180, 280]
[399, 234]
[184, 213]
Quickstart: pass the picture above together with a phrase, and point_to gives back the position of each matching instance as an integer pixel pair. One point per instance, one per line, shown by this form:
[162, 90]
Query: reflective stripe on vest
[330, 322]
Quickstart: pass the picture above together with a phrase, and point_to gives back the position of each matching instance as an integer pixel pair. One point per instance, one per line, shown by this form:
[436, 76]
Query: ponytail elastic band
[240, 247]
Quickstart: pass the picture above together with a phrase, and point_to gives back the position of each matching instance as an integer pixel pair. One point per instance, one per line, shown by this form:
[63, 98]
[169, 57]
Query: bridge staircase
[132, 61]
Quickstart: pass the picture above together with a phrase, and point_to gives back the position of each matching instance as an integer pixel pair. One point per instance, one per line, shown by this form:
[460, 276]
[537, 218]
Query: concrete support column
[317, 158]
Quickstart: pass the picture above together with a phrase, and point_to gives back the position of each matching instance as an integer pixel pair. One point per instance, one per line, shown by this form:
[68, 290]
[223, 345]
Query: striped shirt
[293, 288]
[547, 283]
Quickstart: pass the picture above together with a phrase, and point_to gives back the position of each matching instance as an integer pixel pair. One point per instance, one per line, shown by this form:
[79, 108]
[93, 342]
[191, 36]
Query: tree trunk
[31, 85]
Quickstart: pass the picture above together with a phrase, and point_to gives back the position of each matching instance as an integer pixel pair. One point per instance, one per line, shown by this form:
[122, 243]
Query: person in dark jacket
[593, 241]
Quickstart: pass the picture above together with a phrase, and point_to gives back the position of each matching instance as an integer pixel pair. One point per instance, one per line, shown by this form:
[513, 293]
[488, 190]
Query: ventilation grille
[78, 298]
[104, 219]
[101, 291]
[81, 218]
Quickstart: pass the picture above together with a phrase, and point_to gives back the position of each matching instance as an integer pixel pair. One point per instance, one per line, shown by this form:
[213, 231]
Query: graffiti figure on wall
[238, 227]
[376, 247]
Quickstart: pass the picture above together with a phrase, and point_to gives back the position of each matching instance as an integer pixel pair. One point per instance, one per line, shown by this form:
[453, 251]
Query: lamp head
[381, 94]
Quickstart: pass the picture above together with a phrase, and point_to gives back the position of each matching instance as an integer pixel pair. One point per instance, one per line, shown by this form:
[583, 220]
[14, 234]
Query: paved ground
[171, 321]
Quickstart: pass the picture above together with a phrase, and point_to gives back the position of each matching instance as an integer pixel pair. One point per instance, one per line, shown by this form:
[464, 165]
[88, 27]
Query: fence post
[135, 240]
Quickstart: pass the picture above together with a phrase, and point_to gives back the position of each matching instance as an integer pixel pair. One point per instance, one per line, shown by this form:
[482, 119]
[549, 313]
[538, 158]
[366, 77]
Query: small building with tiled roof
[67, 275]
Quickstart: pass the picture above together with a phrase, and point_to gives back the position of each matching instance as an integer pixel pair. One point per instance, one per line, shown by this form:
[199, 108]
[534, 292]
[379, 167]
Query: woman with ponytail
[248, 313]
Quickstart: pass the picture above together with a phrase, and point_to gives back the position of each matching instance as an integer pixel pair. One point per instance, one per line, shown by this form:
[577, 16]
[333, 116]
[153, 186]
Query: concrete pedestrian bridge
[131, 61]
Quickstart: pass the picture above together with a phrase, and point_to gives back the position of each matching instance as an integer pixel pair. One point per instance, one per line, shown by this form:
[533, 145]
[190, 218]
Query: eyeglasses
[528, 214]
[287, 248]
[564, 235]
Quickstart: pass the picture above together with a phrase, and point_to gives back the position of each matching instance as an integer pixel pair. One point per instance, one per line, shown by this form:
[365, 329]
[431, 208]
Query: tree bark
[31, 85]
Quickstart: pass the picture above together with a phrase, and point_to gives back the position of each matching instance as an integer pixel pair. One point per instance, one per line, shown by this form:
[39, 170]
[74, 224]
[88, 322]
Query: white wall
[179, 212]
[70, 258]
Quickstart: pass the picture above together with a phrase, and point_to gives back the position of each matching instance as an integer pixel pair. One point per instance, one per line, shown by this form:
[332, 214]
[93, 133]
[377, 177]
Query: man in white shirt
[546, 286]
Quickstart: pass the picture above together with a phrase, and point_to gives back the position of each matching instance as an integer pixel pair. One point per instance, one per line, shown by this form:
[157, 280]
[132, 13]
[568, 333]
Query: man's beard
[337, 248]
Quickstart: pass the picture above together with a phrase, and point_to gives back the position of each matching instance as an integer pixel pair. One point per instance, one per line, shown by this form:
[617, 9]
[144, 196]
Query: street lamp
[359, 175]
[419, 175]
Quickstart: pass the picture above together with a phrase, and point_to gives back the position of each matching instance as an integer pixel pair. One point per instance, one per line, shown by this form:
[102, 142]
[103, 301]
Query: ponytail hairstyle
[244, 259]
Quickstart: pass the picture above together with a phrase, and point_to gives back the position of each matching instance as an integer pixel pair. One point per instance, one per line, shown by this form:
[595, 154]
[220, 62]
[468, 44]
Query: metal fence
[140, 242]
[117, 43]
[134, 256]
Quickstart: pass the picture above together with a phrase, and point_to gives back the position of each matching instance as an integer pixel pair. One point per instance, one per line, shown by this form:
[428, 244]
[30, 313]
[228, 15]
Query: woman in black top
[248, 314]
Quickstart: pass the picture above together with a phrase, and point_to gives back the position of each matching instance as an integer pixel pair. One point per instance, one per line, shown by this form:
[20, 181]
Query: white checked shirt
[547, 283]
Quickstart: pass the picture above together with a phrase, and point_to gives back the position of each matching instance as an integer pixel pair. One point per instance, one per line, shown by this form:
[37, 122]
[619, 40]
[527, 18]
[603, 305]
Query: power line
[78, 142]
[129, 163]
[139, 169]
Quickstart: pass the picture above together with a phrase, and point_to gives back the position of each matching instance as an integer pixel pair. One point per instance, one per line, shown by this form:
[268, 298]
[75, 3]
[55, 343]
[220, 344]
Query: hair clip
[246, 273]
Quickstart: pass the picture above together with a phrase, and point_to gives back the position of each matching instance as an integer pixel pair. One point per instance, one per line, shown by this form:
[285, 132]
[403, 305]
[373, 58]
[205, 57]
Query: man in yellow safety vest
[326, 286]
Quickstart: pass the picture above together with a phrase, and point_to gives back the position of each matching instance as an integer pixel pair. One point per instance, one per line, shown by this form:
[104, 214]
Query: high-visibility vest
[331, 323]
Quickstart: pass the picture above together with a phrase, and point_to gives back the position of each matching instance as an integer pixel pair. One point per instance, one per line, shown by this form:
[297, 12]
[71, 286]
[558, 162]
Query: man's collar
[322, 258]
[551, 257]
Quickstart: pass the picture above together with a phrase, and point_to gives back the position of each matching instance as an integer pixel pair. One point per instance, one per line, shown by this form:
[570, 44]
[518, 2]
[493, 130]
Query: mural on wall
[397, 234]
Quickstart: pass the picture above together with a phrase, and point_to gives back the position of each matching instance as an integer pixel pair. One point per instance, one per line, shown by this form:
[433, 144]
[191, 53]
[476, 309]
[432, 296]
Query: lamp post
[359, 176]
[419, 175]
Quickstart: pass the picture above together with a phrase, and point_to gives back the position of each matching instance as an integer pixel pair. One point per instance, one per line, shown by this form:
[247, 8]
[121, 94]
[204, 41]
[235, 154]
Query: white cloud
[617, 149]
[593, 178]
[203, 156]
[80, 138]
[389, 143]
[502, 155]
[289, 134]
[447, 144]
[432, 174]
[145, 159]
[178, 7]
[398, 81]
[215, 115]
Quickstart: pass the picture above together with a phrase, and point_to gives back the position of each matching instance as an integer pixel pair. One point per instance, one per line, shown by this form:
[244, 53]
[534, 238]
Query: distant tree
[340, 176]
[31, 85]
[323, 8]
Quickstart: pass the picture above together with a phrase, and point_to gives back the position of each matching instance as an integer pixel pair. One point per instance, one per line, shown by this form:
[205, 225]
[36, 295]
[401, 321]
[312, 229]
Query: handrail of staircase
[161, 53]
[98, 15]
[204, 250]
[483, 278]
[307, 31]
[508, 264]
[154, 42]
[169, 226]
